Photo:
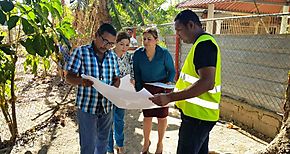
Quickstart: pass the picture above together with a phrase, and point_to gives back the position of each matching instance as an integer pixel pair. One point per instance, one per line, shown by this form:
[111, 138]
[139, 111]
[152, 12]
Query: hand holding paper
[160, 99]
[126, 99]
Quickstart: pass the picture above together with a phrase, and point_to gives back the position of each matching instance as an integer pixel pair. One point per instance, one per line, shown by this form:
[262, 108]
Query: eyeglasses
[106, 42]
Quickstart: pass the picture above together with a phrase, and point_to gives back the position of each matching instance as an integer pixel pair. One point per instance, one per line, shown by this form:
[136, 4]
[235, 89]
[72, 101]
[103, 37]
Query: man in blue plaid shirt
[94, 111]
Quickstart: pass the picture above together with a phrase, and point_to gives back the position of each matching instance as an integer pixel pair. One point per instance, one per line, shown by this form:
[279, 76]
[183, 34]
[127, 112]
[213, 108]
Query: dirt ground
[38, 97]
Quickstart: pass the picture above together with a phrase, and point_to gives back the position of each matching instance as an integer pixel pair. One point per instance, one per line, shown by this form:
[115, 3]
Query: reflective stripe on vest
[201, 102]
[192, 80]
[206, 105]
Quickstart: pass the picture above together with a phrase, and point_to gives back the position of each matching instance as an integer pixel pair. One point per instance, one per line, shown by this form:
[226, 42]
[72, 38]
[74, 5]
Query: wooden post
[210, 14]
[257, 27]
[218, 26]
[284, 22]
[134, 31]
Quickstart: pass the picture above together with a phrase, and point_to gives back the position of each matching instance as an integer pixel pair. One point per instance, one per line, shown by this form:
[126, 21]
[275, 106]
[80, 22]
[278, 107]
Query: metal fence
[254, 67]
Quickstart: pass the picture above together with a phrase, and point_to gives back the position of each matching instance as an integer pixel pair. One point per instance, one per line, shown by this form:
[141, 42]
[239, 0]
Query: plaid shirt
[84, 60]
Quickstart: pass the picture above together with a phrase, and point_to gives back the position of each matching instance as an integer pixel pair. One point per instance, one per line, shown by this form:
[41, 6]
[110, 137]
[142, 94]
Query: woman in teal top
[153, 63]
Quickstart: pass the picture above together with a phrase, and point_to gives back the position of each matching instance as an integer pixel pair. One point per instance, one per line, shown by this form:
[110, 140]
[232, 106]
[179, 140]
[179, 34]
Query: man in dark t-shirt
[205, 54]
[198, 89]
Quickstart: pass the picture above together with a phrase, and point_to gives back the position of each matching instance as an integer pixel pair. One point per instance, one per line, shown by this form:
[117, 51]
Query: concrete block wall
[260, 120]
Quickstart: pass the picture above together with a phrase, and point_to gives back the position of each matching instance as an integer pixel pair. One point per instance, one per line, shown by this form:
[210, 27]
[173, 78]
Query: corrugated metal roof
[248, 6]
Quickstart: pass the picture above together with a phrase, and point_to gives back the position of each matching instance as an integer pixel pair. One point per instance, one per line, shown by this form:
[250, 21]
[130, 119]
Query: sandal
[120, 151]
[147, 150]
[157, 149]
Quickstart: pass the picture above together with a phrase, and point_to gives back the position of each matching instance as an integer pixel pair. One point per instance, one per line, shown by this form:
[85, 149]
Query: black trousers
[194, 135]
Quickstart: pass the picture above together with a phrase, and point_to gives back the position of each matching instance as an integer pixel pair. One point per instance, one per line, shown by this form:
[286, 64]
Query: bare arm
[74, 79]
[204, 84]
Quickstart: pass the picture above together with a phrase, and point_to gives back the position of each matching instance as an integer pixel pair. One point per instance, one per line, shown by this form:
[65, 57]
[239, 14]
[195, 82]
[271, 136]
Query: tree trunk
[12, 90]
[281, 143]
[6, 115]
[102, 15]
[103, 12]
[88, 20]
[13, 100]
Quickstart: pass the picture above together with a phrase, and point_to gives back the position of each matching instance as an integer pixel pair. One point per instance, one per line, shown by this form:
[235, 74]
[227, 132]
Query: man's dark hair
[106, 28]
[187, 15]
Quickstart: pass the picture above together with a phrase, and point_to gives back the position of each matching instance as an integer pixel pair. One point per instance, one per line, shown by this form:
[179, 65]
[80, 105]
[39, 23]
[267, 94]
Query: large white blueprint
[126, 84]
[122, 97]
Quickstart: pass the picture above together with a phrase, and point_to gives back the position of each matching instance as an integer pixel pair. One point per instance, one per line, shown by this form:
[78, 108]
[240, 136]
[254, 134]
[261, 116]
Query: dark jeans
[194, 135]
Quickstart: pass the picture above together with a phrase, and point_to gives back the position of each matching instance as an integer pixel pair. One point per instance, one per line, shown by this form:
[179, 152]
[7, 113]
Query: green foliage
[6, 68]
[137, 13]
[32, 61]
[162, 44]
[6, 49]
[28, 44]
[46, 63]
[3, 18]
[7, 89]
[141, 14]
[27, 62]
[6, 5]
[39, 45]
[12, 22]
[27, 27]
[37, 33]
[41, 35]
[65, 31]
[129, 13]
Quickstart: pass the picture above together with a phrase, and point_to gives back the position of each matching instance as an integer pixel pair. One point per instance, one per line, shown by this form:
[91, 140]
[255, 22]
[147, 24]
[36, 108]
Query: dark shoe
[161, 149]
[147, 150]
[120, 150]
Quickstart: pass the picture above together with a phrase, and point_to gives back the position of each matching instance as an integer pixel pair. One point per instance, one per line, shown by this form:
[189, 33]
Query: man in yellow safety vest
[197, 92]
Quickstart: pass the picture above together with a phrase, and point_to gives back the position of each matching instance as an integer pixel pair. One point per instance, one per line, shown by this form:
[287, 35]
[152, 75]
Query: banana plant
[126, 13]
[139, 12]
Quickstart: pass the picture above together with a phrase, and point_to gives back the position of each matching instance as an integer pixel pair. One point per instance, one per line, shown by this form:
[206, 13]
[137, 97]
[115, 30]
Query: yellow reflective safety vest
[206, 106]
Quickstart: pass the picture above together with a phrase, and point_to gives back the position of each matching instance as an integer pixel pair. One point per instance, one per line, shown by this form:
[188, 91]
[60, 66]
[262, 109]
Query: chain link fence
[255, 59]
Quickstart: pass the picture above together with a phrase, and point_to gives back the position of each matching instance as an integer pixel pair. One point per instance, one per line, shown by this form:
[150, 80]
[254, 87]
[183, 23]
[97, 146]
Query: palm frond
[116, 17]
